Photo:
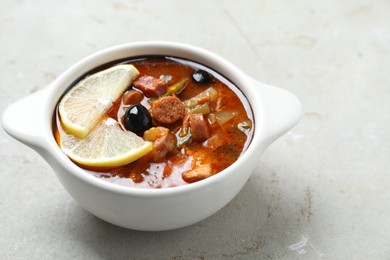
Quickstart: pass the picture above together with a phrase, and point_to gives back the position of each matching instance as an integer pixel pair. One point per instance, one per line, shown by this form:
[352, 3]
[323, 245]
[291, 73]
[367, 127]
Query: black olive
[202, 77]
[138, 119]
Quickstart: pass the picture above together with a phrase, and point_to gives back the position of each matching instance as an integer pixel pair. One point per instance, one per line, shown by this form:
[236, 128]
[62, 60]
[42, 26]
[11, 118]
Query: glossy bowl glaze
[274, 110]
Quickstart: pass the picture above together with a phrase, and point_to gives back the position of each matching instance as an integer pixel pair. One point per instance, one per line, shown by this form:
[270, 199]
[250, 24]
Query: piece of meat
[162, 146]
[167, 110]
[199, 129]
[199, 173]
[151, 87]
[131, 97]
[214, 142]
[162, 140]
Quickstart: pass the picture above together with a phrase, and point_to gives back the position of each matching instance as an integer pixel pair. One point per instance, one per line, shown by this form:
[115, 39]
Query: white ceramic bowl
[275, 111]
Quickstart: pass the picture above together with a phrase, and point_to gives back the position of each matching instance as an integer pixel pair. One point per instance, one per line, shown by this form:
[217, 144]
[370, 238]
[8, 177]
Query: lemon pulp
[107, 145]
[83, 105]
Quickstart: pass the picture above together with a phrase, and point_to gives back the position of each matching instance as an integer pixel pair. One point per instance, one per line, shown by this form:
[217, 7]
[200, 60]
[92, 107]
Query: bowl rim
[239, 78]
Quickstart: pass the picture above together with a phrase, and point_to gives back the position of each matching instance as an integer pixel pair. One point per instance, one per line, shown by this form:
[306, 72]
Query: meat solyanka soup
[153, 122]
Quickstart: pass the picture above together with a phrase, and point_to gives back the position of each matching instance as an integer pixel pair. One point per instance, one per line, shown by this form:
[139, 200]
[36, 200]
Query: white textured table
[321, 191]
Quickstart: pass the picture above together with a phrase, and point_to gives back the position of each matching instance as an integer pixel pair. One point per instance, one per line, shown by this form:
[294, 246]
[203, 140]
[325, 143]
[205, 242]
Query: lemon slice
[84, 104]
[107, 145]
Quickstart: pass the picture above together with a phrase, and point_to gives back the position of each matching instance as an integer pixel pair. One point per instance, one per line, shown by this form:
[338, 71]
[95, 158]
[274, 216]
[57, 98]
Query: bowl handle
[23, 120]
[283, 110]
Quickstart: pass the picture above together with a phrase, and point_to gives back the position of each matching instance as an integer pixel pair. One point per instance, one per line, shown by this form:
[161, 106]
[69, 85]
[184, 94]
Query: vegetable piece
[200, 109]
[202, 77]
[167, 110]
[166, 78]
[163, 141]
[177, 88]
[223, 117]
[219, 104]
[151, 86]
[185, 126]
[155, 133]
[203, 100]
[184, 134]
[211, 93]
[245, 126]
[137, 119]
[199, 129]
[181, 140]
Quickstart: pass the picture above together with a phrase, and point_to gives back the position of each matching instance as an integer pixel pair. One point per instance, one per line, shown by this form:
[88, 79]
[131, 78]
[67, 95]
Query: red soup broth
[226, 141]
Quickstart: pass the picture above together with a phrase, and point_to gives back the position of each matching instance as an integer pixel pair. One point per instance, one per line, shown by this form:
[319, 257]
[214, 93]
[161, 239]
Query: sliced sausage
[151, 87]
[131, 97]
[199, 129]
[162, 140]
[167, 110]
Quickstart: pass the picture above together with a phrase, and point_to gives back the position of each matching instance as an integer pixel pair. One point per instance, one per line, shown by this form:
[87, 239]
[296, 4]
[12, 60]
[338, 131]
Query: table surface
[319, 192]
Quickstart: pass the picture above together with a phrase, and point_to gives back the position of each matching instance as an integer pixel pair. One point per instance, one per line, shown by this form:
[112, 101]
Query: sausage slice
[199, 129]
[167, 110]
[163, 141]
[151, 86]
